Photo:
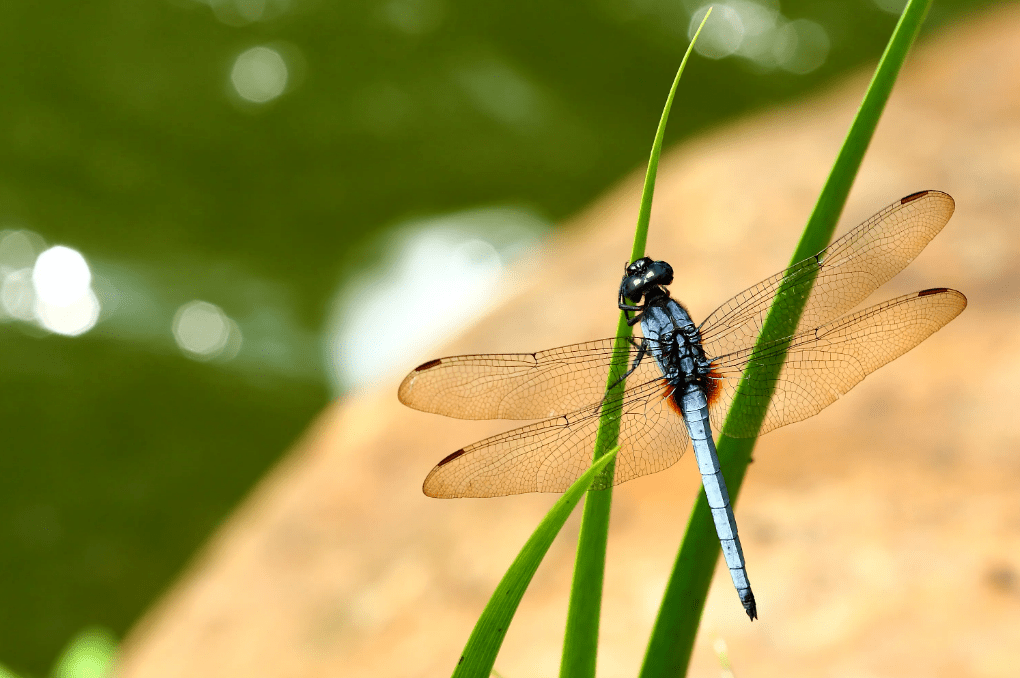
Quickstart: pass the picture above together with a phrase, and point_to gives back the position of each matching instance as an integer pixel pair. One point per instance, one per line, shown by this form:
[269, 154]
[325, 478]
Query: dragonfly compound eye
[659, 273]
[633, 287]
[639, 266]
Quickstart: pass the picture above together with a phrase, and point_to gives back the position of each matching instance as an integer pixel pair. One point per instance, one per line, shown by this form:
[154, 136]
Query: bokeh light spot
[250, 10]
[440, 275]
[203, 330]
[721, 35]
[802, 46]
[19, 249]
[61, 276]
[17, 296]
[259, 74]
[758, 32]
[760, 20]
[72, 319]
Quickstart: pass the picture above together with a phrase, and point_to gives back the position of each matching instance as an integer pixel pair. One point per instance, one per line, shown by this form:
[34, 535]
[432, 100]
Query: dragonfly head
[645, 278]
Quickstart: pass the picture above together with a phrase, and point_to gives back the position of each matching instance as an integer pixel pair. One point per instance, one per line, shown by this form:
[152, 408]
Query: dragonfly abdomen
[694, 406]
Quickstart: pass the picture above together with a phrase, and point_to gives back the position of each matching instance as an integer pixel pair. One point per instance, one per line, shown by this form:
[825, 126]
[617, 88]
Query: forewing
[824, 363]
[521, 385]
[844, 274]
[550, 455]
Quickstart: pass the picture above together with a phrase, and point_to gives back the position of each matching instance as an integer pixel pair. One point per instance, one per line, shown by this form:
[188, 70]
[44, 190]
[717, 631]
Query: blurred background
[216, 216]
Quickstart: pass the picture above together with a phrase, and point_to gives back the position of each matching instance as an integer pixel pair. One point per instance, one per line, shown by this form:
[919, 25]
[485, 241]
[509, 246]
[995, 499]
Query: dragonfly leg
[642, 351]
[631, 320]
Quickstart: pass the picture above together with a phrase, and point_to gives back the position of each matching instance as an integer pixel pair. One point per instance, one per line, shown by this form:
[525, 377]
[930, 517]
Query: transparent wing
[824, 363]
[521, 385]
[550, 455]
[844, 273]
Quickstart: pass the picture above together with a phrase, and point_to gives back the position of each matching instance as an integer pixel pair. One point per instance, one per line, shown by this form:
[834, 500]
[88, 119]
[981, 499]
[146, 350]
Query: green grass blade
[645, 211]
[672, 639]
[580, 641]
[487, 637]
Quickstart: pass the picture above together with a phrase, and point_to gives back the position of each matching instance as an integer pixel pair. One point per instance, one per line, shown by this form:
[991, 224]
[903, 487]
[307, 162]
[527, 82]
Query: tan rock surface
[882, 536]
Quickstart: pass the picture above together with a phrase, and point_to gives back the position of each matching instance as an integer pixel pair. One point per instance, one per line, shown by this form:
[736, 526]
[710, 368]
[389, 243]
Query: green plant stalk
[672, 639]
[581, 637]
[483, 645]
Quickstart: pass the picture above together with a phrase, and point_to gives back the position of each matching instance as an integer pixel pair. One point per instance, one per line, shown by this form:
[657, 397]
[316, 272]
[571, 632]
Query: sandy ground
[882, 536]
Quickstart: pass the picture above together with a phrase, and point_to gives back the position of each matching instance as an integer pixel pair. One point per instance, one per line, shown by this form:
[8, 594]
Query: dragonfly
[679, 380]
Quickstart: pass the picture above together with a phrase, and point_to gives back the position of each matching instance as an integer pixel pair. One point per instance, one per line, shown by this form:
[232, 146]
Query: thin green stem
[645, 211]
[580, 642]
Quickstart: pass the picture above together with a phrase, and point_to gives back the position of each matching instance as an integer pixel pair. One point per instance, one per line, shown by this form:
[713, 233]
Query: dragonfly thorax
[676, 342]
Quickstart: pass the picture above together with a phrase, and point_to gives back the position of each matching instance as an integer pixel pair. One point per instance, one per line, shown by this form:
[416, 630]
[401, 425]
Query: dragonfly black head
[644, 279]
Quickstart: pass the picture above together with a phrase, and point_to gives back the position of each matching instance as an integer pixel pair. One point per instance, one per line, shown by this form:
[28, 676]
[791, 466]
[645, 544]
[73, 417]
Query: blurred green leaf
[89, 655]
[7, 673]
[487, 637]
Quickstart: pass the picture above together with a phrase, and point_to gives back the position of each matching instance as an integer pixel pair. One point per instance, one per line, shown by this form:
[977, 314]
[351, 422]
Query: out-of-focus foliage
[90, 654]
[223, 167]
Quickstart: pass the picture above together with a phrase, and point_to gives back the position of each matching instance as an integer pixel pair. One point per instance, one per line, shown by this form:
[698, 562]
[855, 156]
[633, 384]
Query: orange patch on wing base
[668, 395]
[712, 383]
[712, 391]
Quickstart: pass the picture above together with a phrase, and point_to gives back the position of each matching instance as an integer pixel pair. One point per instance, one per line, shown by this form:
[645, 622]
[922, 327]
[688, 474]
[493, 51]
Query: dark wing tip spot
[428, 365]
[934, 290]
[912, 197]
[450, 457]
